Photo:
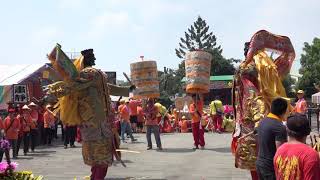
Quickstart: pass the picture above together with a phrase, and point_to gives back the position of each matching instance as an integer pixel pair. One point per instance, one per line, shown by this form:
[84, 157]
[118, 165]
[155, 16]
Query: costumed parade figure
[257, 82]
[84, 101]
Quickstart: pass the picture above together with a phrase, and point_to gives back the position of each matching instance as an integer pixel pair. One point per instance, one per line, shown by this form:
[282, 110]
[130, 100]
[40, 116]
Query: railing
[310, 114]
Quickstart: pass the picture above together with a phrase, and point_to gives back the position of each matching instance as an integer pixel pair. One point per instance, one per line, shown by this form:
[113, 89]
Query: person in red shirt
[141, 118]
[49, 124]
[25, 128]
[1, 136]
[184, 124]
[152, 124]
[294, 159]
[196, 111]
[125, 121]
[1, 127]
[11, 128]
[37, 119]
[21, 133]
[133, 111]
[34, 111]
[33, 128]
[40, 123]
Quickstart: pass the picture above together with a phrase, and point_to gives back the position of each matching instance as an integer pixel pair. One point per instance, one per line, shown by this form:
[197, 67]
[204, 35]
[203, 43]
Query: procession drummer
[96, 117]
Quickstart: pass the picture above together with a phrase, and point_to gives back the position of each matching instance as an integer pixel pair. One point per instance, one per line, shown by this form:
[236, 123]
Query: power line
[15, 73]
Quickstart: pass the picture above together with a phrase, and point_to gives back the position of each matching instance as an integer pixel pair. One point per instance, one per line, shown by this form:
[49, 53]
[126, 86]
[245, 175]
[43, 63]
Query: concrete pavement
[178, 161]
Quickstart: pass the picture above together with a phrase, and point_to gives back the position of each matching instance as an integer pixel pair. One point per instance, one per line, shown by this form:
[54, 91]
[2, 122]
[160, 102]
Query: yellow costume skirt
[97, 152]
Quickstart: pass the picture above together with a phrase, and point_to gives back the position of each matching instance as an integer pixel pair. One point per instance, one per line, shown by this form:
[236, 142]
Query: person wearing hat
[295, 159]
[25, 129]
[49, 124]
[34, 134]
[301, 104]
[34, 111]
[11, 128]
[37, 119]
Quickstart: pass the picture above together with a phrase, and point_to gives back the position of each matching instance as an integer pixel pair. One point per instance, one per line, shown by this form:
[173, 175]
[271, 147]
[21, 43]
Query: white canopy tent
[316, 98]
[12, 74]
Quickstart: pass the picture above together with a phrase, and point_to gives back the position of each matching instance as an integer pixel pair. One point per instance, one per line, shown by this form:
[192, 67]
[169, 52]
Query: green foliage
[198, 37]
[287, 84]
[23, 175]
[124, 83]
[221, 65]
[310, 65]
[170, 84]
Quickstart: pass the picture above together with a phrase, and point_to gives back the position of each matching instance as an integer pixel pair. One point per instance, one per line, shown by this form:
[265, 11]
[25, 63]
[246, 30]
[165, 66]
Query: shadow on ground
[220, 150]
[44, 152]
[40, 154]
[118, 163]
[133, 178]
[167, 134]
[176, 150]
[136, 142]
[24, 158]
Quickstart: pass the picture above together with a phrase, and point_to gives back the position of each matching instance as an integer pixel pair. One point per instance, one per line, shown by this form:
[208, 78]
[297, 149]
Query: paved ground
[176, 162]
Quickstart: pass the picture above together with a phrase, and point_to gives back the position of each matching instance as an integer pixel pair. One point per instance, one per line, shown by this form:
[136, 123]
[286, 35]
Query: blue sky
[121, 30]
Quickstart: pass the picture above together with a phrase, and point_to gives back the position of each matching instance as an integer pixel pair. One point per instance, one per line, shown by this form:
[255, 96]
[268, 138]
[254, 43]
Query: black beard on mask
[89, 62]
[89, 59]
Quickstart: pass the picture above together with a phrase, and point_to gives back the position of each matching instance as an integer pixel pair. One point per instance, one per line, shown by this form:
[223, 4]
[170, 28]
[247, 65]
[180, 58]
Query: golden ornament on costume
[84, 101]
[257, 82]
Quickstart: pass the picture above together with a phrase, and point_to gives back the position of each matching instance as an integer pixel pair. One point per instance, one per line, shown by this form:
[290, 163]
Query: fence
[313, 117]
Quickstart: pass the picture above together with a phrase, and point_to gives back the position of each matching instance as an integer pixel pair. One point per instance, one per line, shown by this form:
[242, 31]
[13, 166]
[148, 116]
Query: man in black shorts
[271, 134]
[133, 104]
[141, 119]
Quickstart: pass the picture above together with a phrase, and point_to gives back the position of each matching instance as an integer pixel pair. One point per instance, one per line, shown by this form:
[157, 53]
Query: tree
[287, 82]
[310, 65]
[198, 37]
[169, 85]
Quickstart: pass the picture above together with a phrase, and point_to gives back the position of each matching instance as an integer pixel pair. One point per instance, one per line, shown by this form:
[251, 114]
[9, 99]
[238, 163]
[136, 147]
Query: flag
[62, 63]
[5, 96]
